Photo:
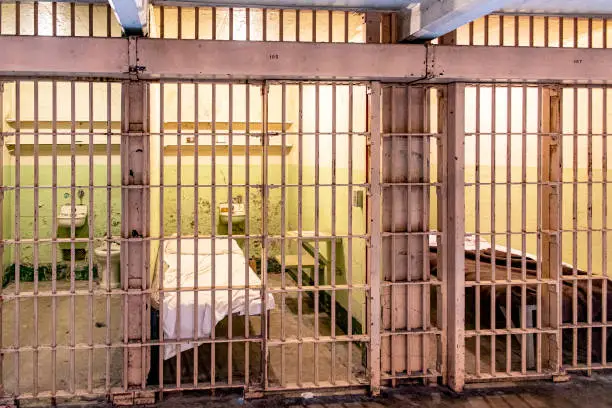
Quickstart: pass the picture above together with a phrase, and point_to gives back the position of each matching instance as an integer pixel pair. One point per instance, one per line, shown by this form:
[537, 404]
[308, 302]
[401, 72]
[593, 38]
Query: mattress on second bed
[230, 270]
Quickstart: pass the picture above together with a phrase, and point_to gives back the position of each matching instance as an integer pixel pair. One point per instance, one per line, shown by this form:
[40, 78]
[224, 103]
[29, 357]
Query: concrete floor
[581, 391]
[90, 314]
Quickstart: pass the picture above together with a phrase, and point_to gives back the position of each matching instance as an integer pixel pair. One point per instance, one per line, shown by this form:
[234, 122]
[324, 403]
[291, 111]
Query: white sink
[66, 215]
[237, 213]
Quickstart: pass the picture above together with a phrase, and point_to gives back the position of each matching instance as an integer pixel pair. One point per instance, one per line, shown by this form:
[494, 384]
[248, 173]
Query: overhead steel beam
[58, 56]
[431, 19]
[133, 15]
[280, 60]
[483, 64]
[161, 58]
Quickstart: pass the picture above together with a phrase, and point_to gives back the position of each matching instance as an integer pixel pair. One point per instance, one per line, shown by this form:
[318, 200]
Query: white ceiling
[553, 7]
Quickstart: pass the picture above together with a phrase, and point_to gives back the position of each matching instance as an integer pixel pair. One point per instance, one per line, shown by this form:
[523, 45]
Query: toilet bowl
[110, 271]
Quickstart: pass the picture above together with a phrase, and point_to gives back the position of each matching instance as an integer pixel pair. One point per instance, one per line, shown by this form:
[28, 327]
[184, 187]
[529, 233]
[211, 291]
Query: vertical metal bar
[283, 226]
[349, 275]
[477, 226]
[160, 265]
[36, 236]
[264, 229]
[213, 22]
[264, 17]
[248, 34]
[575, 231]
[300, 224]
[531, 31]
[561, 34]
[604, 222]
[108, 21]
[213, 223]
[196, 24]
[330, 30]
[135, 224]
[72, 228]
[508, 220]
[231, 35]
[196, 223]
[375, 237]
[17, 233]
[179, 230]
[281, 25]
[36, 18]
[516, 30]
[471, 33]
[179, 26]
[297, 25]
[230, 232]
[455, 128]
[590, 32]
[332, 242]
[54, 18]
[90, 14]
[493, 228]
[162, 21]
[17, 18]
[90, 221]
[486, 30]
[590, 218]
[54, 236]
[575, 32]
[316, 228]
[72, 19]
[2, 244]
[346, 35]
[247, 227]
[108, 230]
[546, 32]
[524, 229]
[540, 222]
[314, 25]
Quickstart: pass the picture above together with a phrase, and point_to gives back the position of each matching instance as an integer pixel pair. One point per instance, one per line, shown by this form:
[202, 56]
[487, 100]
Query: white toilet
[114, 274]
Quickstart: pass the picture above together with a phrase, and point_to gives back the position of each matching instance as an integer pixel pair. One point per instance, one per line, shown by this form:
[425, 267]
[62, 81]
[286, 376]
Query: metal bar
[333, 224]
[247, 226]
[508, 214]
[455, 234]
[54, 235]
[135, 222]
[349, 275]
[264, 228]
[493, 302]
[604, 219]
[179, 137]
[316, 279]
[300, 221]
[160, 265]
[36, 236]
[375, 240]
[17, 232]
[196, 225]
[213, 221]
[90, 221]
[283, 224]
[2, 245]
[230, 176]
[477, 225]
[108, 231]
[590, 215]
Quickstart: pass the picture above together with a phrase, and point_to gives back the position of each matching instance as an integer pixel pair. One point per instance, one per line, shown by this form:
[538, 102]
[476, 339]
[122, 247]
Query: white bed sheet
[200, 262]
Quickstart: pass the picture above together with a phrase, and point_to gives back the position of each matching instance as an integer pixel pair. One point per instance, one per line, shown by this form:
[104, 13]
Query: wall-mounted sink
[237, 213]
[66, 215]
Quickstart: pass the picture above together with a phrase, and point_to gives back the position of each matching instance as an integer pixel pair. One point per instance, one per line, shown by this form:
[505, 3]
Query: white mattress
[199, 262]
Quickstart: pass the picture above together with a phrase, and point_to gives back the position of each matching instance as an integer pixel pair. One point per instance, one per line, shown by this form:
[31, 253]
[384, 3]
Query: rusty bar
[214, 31]
[247, 230]
[375, 236]
[575, 226]
[264, 28]
[17, 232]
[281, 25]
[72, 19]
